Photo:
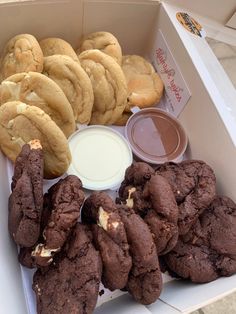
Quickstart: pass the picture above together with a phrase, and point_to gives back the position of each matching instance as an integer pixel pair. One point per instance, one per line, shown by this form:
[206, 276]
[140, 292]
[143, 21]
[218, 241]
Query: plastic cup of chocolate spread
[155, 136]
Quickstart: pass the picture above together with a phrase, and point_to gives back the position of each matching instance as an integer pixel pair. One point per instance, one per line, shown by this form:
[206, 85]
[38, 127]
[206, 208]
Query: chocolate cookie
[25, 254]
[208, 251]
[71, 283]
[163, 217]
[192, 262]
[131, 189]
[151, 197]
[26, 199]
[109, 238]
[145, 280]
[66, 198]
[194, 185]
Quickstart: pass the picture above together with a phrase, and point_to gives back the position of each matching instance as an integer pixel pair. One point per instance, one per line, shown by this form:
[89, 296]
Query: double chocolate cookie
[110, 239]
[65, 199]
[26, 200]
[194, 185]
[131, 189]
[25, 254]
[163, 217]
[145, 280]
[71, 283]
[208, 250]
[150, 195]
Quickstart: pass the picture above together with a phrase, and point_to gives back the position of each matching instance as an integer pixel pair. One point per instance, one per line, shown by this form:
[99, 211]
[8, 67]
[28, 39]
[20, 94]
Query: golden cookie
[57, 46]
[109, 86]
[22, 53]
[145, 88]
[74, 82]
[104, 41]
[20, 123]
[36, 89]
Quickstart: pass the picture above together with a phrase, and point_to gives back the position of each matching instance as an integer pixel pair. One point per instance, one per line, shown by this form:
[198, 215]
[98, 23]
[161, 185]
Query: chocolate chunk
[71, 283]
[26, 200]
[162, 220]
[109, 238]
[208, 251]
[65, 199]
[194, 185]
[145, 280]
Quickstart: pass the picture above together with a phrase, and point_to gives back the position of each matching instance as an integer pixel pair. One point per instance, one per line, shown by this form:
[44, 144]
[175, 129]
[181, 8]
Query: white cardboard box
[209, 119]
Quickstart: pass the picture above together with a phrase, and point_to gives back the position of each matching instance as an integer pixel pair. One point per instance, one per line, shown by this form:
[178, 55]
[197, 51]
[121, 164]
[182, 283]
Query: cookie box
[201, 98]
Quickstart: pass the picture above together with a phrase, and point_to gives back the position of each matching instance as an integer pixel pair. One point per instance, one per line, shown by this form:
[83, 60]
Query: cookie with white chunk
[109, 86]
[36, 89]
[64, 199]
[71, 283]
[20, 123]
[57, 46]
[145, 87]
[104, 41]
[21, 53]
[26, 200]
[109, 236]
[74, 82]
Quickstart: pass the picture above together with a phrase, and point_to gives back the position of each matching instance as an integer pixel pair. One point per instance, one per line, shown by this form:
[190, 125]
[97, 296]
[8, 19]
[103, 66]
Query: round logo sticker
[190, 24]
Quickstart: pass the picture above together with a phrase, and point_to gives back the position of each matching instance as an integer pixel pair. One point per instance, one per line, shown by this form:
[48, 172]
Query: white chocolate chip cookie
[74, 82]
[20, 123]
[38, 90]
[57, 46]
[22, 53]
[145, 87]
[104, 41]
[109, 86]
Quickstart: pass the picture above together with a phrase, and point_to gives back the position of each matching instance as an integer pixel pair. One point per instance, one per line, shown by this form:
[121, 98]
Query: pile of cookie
[170, 215]
[193, 228]
[46, 88]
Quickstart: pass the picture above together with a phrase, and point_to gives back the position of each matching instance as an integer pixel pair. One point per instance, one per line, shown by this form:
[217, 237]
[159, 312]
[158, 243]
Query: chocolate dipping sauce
[155, 136]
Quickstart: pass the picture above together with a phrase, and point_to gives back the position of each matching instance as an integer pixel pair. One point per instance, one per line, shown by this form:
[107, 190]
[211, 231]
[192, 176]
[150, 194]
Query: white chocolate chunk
[130, 201]
[103, 217]
[13, 88]
[32, 96]
[35, 144]
[40, 250]
[10, 124]
[21, 108]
